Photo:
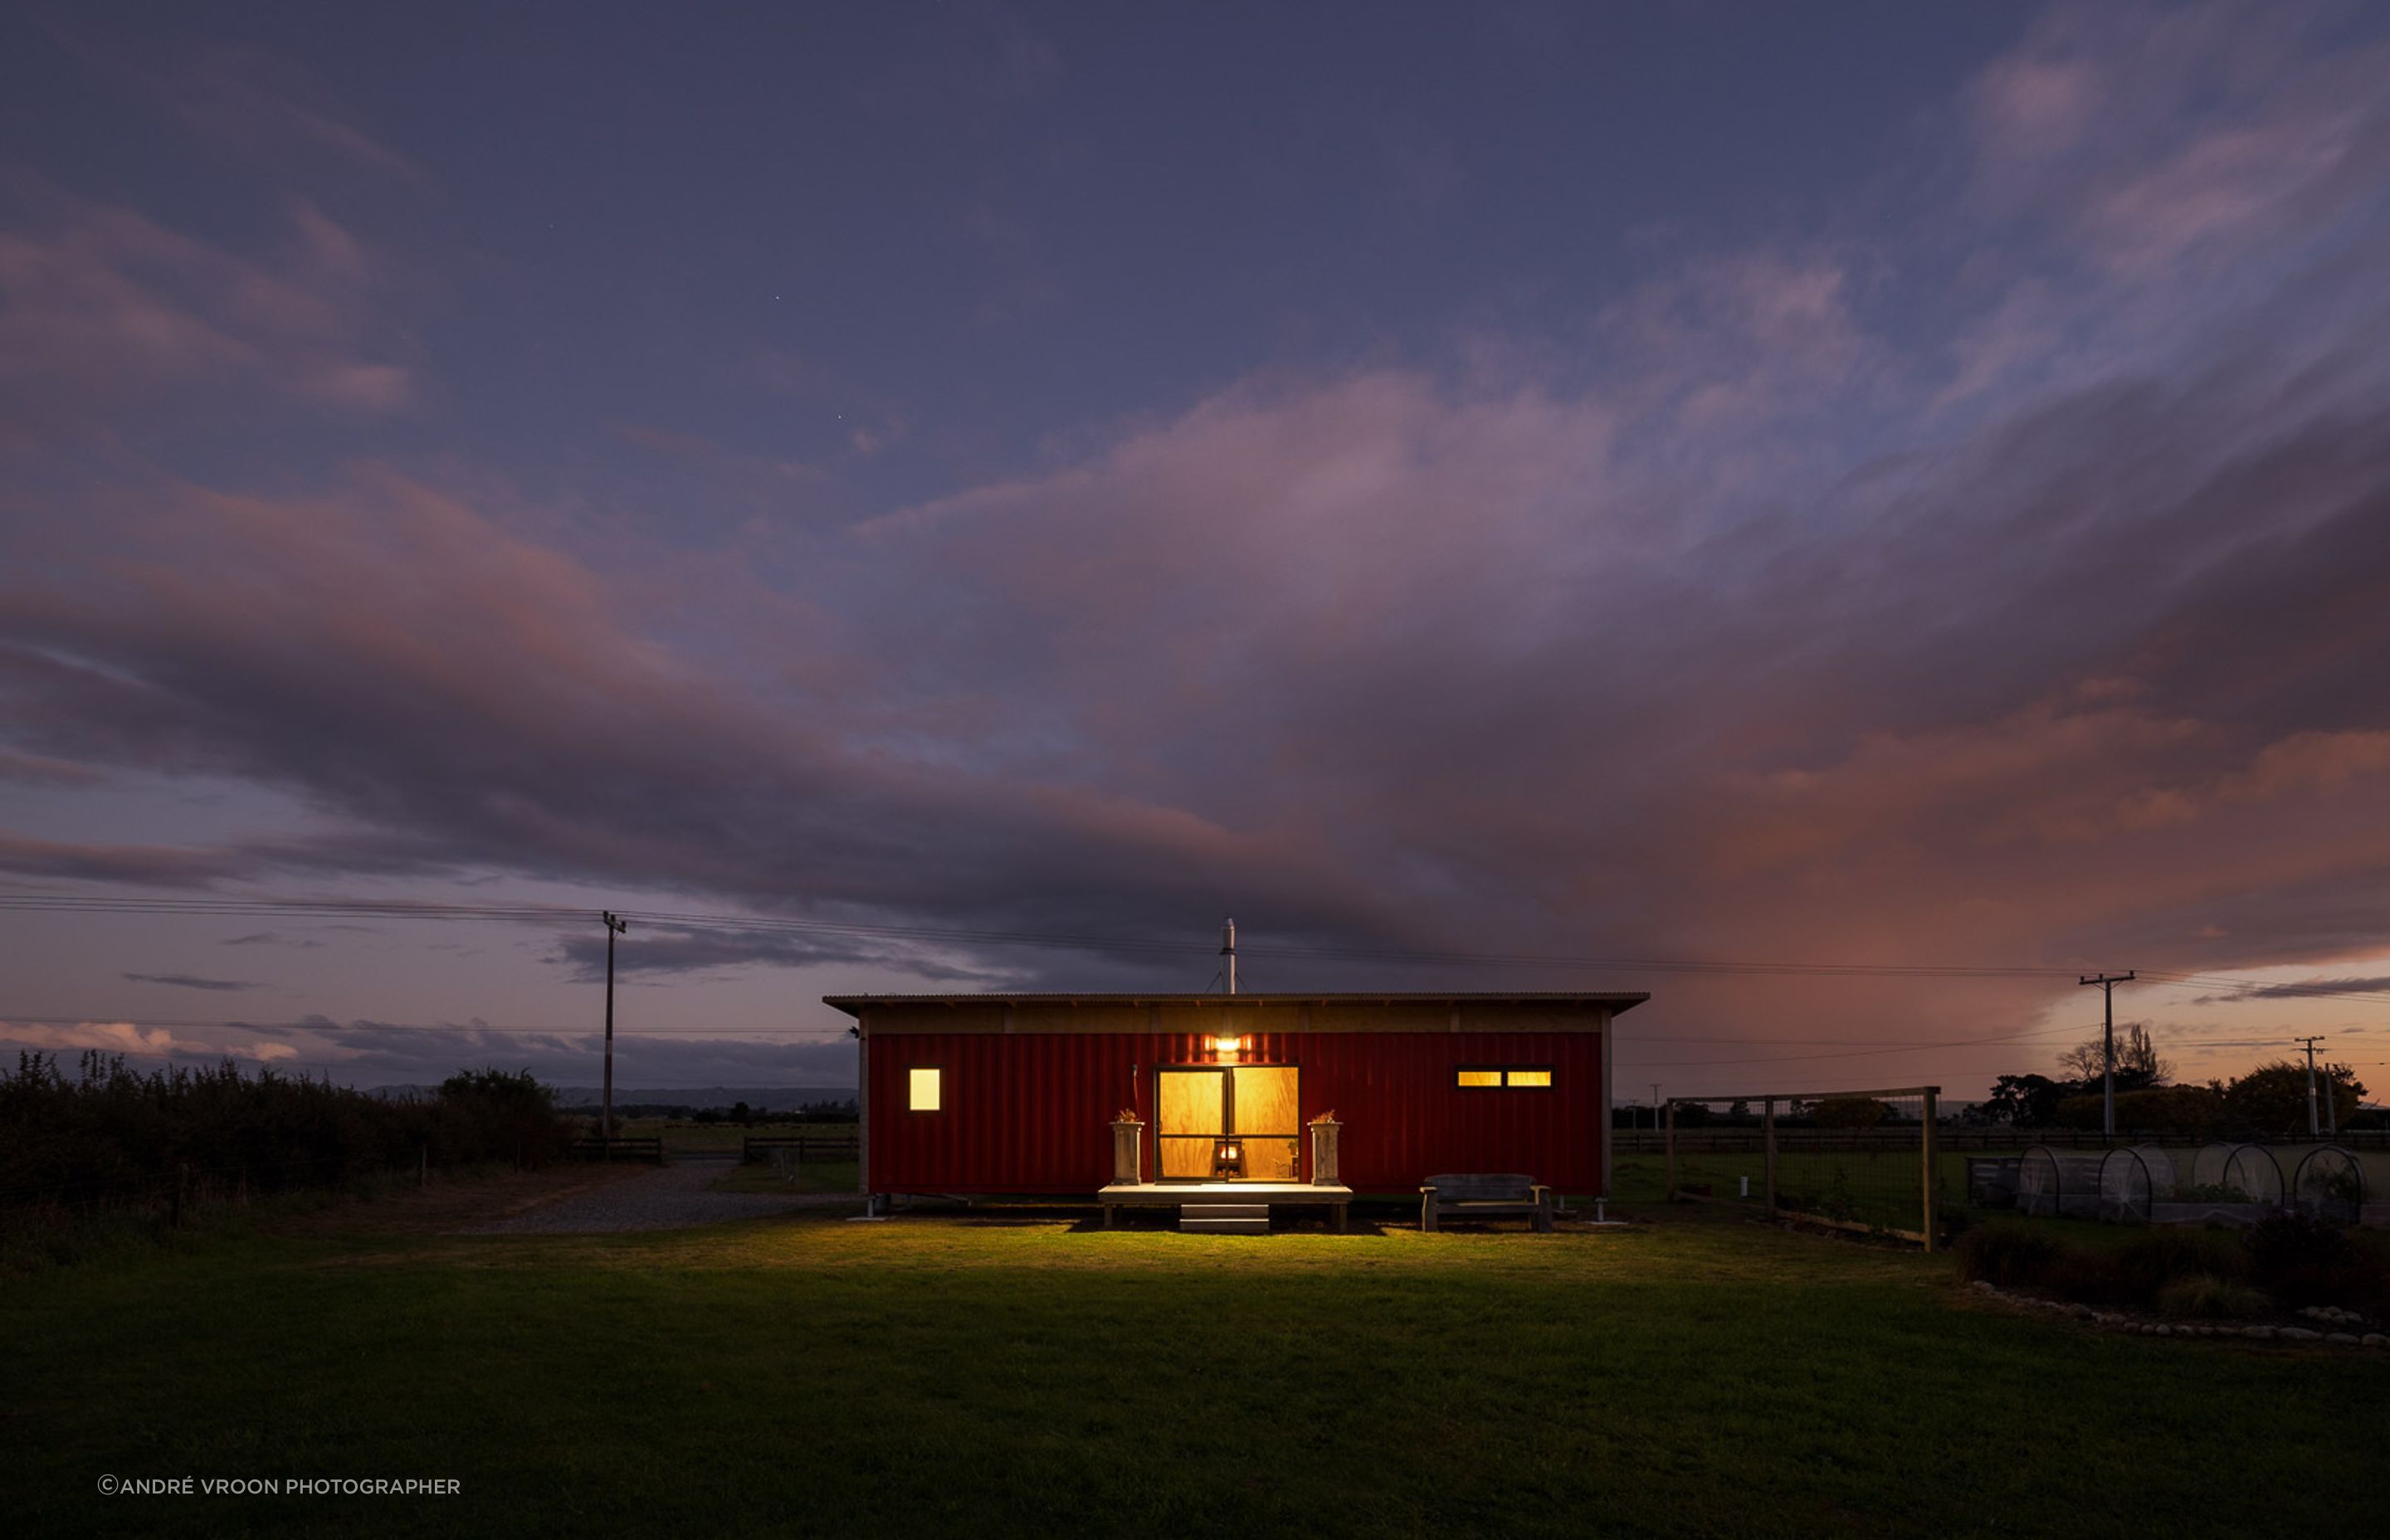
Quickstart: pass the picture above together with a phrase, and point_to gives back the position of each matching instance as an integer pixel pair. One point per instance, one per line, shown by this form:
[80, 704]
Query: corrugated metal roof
[1617, 999]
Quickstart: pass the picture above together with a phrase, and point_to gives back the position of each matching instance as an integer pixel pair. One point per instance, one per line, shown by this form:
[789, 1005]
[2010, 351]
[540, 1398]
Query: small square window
[1542, 1078]
[923, 1087]
[1479, 1079]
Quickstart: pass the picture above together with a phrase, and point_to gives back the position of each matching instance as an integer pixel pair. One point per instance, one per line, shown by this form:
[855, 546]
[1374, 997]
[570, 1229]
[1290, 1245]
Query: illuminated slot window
[1485, 1078]
[922, 1088]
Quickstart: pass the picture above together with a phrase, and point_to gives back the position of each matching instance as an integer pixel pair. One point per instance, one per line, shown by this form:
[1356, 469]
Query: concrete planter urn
[1323, 1152]
[1128, 1150]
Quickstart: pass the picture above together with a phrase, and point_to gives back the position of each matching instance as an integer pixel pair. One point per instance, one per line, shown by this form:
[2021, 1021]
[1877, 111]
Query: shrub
[2363, 1281]
[2144, 1265]
[2187, 1112]
[2302, 1260]
[1850, 1113]
[2083, 1277]
[2009, 1255]
[2284, 1243]
[114, 1136]
[2206, 1297]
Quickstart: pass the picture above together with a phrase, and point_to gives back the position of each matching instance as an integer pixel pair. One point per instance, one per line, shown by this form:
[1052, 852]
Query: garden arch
[2058, 1182]
[2132, 1179]
[2329, 1184]
[2248, 1169]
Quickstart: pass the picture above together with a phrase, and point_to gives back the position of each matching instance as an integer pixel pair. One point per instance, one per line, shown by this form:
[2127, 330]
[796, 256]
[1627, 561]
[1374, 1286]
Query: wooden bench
[1474, 1195]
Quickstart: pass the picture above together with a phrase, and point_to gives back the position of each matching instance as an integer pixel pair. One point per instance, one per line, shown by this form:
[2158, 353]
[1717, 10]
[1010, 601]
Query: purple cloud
[191, 980]
[1989, 570]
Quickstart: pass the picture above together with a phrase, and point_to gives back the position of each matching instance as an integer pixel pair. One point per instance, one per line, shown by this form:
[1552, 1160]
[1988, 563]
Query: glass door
[1244, 1117]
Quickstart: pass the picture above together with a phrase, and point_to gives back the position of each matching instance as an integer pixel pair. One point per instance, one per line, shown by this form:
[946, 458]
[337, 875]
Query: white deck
[1273, 1193]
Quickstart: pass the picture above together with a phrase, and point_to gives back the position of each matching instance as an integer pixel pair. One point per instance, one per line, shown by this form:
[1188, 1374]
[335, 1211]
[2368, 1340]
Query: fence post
[181, 1188]
[1931, 1093]
[422, 1164]
[1670, 1138]
[1767, 1138]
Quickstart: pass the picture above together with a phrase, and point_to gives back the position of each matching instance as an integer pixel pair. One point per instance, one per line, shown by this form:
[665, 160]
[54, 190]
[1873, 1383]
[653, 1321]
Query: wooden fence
[1949, 1137]
[807, 1148]
[620, 1147]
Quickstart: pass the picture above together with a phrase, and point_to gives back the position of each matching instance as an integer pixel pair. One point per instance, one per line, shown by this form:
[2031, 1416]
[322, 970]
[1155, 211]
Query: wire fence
[1723, 1131]
[1882, 1163]
[1858, 1161]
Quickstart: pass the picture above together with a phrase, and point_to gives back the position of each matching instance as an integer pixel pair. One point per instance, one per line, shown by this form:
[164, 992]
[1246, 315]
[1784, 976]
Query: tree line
[108, 1128]
[2270, 1101]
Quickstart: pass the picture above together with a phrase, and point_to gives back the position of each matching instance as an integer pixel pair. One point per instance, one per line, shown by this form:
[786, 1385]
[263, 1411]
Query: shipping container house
[1021, 1094]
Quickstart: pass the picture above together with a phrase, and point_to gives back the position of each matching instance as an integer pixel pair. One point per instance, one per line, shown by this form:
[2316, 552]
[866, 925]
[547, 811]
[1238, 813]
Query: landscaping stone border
[2116, 1320]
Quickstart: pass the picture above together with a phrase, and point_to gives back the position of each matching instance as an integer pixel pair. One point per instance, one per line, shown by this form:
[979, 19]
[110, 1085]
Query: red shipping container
[1022, 1089]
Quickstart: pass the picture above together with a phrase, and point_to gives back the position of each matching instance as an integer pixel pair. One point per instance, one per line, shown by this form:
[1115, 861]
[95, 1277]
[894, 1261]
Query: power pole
[2108, 982]
[1229, 952]
[1655, 1106]
[2313, 1132]
[614, 927]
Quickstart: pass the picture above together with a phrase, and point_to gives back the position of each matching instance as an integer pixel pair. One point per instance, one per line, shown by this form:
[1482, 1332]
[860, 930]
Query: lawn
[1697, 1376]
[1879, 1188]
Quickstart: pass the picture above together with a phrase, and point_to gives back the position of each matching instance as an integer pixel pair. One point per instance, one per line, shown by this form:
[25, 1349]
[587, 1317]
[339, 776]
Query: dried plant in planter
[1329, 1116]
[1126, 1114]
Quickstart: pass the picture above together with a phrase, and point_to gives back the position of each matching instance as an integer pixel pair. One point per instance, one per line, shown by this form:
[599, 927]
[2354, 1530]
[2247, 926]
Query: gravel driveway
[669, 1197]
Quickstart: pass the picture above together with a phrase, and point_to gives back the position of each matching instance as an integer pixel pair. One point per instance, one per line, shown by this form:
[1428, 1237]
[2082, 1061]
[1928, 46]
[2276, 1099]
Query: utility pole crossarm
[2107, 982]
[2315, 1130]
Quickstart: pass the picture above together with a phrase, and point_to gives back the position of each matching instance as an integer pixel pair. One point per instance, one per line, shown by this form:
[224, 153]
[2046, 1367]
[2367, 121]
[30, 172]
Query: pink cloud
[101, 307]
[2151, 133]
[244, 98]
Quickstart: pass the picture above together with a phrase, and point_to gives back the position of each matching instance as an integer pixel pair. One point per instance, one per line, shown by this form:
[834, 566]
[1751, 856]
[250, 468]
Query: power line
[2315, 989]
[193, 905]
[1856, 1053]
[800, 1035]
[71, 1019]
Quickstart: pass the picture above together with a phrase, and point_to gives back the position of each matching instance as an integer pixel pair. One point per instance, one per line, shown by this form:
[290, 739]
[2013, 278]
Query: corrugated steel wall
[1030, 1112]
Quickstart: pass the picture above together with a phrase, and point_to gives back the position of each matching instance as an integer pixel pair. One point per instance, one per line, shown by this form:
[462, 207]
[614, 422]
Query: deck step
[1224, 1218]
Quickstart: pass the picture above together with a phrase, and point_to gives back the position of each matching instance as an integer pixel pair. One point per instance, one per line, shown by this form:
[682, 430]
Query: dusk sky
[1879, 484]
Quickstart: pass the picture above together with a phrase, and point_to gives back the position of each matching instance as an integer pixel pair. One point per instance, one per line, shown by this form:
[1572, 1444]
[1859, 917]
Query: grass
[1867, 1186]
[1697, 1376]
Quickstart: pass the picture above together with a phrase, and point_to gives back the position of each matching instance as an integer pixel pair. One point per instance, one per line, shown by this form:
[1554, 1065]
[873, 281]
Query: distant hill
[766, 1099]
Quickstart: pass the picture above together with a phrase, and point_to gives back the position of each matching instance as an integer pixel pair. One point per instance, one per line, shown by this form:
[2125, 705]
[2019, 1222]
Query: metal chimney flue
[1229, 952]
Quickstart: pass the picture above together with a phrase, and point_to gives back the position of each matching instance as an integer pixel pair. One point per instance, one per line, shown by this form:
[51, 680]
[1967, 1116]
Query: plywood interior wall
[1270, 1120]
[1190, 1102]
[1195, 1108]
